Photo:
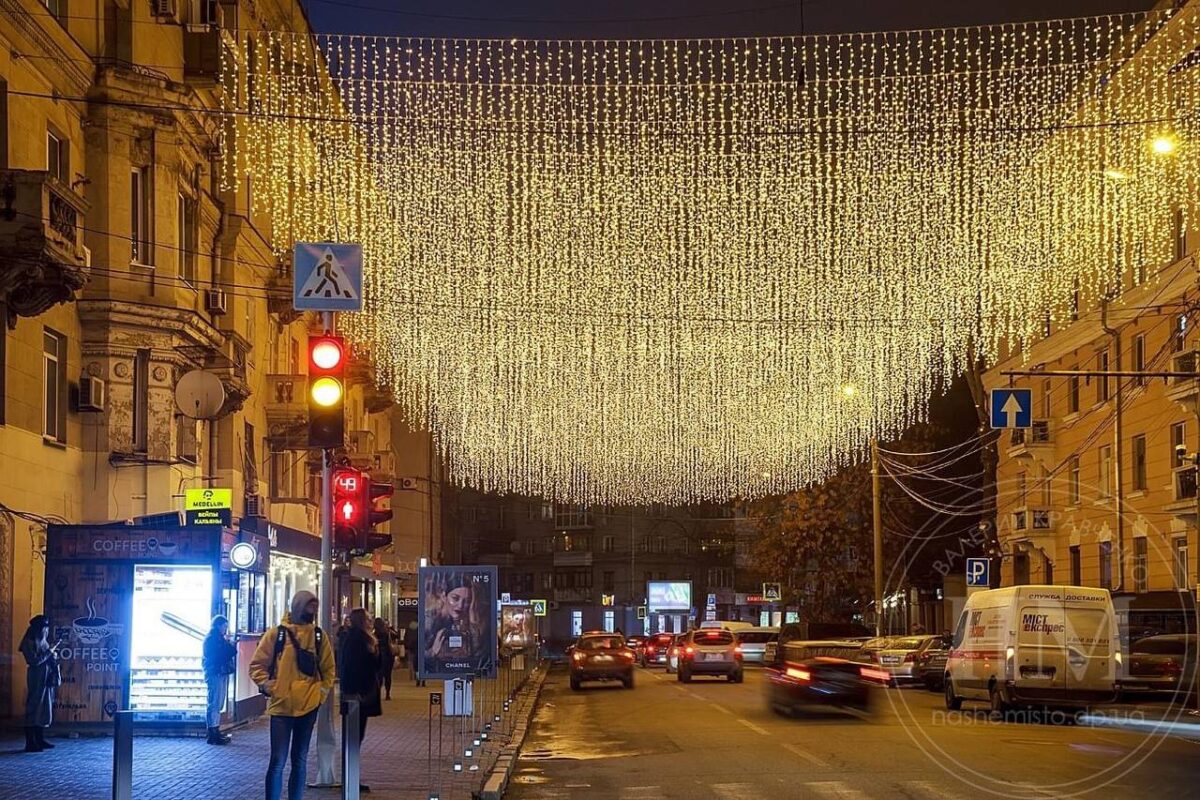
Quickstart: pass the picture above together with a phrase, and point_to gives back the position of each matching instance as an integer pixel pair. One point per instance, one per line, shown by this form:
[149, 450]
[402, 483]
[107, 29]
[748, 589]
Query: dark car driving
[816, 673]
[601, 657]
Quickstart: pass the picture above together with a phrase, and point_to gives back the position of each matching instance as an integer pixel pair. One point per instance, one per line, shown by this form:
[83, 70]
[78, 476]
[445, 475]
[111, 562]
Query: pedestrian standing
[41, 677]
[387, 655]
[220, 661]
[410, 646]
[295, 668]
[359, 659]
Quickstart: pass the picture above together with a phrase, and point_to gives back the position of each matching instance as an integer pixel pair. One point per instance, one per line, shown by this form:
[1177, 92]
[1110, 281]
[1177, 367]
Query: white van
[1035, 646]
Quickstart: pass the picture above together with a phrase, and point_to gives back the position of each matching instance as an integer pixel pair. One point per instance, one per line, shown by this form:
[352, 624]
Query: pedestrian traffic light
[373, 493]
[347, 510]
[326, 391]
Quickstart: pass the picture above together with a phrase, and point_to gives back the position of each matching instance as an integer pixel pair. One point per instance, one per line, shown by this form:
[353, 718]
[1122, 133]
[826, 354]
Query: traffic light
[326, 391]
[348, 511]
[373, 494]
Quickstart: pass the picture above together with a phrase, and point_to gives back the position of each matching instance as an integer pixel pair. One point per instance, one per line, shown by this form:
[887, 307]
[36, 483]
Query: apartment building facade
[126, 265]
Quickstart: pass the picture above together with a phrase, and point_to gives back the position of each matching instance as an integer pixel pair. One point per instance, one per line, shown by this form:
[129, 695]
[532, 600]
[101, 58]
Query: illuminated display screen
[669, 595]
[172, 610]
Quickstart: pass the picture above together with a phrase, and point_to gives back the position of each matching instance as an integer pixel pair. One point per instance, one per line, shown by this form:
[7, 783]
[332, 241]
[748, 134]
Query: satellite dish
[199, 395]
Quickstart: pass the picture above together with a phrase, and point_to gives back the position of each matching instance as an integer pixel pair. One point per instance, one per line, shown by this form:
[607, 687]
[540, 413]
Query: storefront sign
[209, 516]
[457, 622]
[130, 542]
[208, 506]
[243, 555]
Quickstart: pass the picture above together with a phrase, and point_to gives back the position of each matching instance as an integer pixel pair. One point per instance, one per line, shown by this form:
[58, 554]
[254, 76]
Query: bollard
[351, 763]
[122, 770]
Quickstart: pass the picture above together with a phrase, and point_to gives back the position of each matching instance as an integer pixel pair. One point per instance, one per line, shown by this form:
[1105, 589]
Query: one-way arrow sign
[1011, 408]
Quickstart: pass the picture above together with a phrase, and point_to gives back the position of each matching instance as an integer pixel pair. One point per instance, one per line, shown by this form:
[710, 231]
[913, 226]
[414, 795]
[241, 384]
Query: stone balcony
[43, 261]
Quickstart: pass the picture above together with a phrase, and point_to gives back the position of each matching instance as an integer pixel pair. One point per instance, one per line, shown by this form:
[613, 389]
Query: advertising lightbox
[669, 596]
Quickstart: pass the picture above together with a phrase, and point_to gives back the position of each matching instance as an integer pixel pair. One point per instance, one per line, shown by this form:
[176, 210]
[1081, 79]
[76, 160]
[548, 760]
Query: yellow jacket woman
[295, 669]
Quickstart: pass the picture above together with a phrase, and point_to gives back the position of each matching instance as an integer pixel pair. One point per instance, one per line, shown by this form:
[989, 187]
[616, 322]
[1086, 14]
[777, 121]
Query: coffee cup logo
[91, 629]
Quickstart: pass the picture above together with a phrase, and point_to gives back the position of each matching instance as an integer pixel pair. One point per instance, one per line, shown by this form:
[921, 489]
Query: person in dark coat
[410, 652]
[40, 674]
[387, 656]
[359, 661]
[220, 661]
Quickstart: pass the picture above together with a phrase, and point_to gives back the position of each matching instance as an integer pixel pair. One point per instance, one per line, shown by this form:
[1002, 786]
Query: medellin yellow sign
[208, 506]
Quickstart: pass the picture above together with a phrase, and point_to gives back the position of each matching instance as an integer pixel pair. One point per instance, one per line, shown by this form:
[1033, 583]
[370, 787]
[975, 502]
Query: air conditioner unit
[254, 506]
[216, 301]
[163, 8]
[91, 394]
[406, 484]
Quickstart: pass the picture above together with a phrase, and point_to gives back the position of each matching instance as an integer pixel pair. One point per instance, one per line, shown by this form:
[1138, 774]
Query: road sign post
[979, 573]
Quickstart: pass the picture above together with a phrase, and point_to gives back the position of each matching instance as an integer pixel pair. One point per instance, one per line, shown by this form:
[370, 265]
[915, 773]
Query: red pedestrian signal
[326, 391]
[346, 507]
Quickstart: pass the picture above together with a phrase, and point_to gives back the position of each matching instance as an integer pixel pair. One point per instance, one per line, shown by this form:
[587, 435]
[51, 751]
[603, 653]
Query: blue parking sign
[978, 570]
[1011, 408]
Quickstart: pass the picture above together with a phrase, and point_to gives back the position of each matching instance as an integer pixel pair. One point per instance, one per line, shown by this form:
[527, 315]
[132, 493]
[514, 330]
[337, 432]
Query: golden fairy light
[633, 271]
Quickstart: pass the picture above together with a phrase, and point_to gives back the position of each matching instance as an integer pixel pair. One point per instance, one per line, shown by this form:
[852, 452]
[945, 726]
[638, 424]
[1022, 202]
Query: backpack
[307, 662]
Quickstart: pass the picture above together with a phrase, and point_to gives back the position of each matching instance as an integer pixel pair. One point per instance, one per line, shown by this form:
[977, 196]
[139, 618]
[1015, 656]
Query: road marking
[721, 708]
[640, 792]
[693, 694]
[838, 789]
[927, 789]
[807, 756]
[753, 727]
[736, 791]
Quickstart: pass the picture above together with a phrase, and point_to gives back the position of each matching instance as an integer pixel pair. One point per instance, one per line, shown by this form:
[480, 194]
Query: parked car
[599, 656]
[710, 651]
[635, 643]
[754, 643]
[1161, 664]
[817, 673]
[898, 658]
[1035, 645]
[931, 664]
[868, 649]
[673, 653]
[654, 649]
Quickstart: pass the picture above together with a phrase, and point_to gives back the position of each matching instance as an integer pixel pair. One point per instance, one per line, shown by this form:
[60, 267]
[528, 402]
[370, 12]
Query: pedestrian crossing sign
[539, 607]
[327, 276]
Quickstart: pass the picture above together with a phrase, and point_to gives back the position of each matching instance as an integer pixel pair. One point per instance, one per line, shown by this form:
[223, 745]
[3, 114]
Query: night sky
[624, 19]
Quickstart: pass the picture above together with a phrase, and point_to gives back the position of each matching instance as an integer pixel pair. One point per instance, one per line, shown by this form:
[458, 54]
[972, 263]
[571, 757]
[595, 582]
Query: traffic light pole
[326, 741]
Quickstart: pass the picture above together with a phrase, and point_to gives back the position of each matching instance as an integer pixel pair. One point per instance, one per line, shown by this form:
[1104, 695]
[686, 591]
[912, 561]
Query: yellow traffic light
[326, 392]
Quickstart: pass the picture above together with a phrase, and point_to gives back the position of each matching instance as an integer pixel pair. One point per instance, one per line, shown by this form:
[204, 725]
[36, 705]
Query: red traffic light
[325, 353]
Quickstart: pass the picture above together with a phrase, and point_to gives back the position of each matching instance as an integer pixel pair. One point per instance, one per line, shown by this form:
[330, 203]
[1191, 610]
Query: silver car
[754, 642]
[898, 657]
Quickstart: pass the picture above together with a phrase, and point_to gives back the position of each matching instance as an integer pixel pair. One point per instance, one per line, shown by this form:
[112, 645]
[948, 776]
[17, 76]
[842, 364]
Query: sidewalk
[394, 764]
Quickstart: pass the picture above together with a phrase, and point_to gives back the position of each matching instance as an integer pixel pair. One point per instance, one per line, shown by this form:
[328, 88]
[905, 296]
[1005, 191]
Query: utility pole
[326, 741]
[878, 515]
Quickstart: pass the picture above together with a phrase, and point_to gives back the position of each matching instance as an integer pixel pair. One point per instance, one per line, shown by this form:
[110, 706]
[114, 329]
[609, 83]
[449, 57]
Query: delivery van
[1055, 646]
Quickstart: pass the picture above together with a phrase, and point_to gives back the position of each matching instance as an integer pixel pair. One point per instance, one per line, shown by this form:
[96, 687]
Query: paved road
[711, 739]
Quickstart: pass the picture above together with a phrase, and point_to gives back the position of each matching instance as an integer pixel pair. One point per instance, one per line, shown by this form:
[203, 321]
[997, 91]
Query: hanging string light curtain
[635, 271]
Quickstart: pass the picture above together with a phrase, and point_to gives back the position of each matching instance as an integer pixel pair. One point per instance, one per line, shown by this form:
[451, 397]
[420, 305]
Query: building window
[1179, 234]
[1073, 480]
[141, 400]
[1106, 565]
[1105, 476]
[57, 157]
[1139, 462]
[610, 621]
[186, 225]
[1076, 566]
[607, 543]
[1021, 569]
[609, 578]
[1047, 407]
[1139, 564]
[1139, 358]
[547, 580]
[1181, 563]
[576, 623]
[548, 544]
[1102, 390]
[1178, 445]
[1179, 335]
[1073, 392]
[530, 547]
[54, 385]
[571, 516]
[140, 203]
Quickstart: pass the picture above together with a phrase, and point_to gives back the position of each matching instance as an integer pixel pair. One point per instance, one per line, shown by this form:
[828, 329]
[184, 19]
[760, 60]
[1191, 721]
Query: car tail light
[801, 675]
[1172, 667]
[649, 648]
[578, 656]
[691, 651]
[627, 654]
[737, 651]
[875, 674]
[910, 658]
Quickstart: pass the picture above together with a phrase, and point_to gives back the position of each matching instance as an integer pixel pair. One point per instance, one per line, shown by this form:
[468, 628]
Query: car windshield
[1156, 646]
[601, 643]
[756, 637]
[911, 643]
[712, 638]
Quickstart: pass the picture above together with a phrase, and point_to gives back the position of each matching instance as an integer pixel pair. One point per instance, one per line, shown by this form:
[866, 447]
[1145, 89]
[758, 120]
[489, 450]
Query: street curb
[497, 782]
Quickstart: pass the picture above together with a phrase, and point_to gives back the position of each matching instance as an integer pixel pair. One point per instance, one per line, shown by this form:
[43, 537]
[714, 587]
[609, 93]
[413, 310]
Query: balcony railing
[1038, 434]
[1035, 519]
[1185, 483]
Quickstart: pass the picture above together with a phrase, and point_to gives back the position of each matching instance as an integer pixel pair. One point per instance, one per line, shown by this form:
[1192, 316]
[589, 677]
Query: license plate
[604, 658]
[891, 659]
[1038, 676]
[714, 657]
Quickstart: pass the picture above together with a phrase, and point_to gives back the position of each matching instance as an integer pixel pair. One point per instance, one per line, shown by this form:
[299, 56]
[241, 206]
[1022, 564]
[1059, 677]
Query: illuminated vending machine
[130, 606]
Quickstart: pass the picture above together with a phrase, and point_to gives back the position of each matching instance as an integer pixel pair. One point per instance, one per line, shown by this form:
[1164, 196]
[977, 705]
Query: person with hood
[220, 661]
[41, 676]
[387, 655]
[294, 667]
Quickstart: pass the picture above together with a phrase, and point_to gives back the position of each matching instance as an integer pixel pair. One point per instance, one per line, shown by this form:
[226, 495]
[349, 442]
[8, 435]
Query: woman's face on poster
[457, 601]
